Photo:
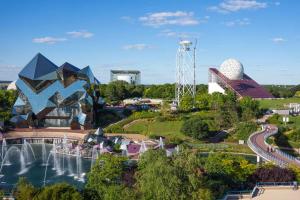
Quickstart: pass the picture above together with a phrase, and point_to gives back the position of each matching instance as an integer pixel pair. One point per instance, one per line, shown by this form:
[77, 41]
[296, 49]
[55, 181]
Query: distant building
[54, 96]
[130, 76]
[231, 77]
[4, 84]
[12, 86]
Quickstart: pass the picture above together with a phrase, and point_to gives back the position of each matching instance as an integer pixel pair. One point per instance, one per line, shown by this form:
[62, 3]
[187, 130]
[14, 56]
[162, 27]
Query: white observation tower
[185, 70]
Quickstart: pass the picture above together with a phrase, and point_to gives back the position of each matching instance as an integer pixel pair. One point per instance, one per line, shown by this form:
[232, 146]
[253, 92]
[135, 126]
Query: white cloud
[168, 33]
[128, 19]
[228, 6]
[48, 40]
[237, 22]
[175, 34]
[136, 47]
[180, 18]
[278, 40]
[80, 34]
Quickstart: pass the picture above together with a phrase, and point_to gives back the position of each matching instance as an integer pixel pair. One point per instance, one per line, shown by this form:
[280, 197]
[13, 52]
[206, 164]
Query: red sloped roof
[245, 87]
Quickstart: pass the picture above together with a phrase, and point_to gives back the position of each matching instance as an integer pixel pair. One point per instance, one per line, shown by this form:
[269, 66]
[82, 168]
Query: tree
[186, 103]
[7, 100]
[232, 170]
[202, 101]
[105, 177]
[271, 173]
[188, 168]
[156, 177]
[249, 108]
[59, 191]
[244, 129]
[24, 190]
[196, 128]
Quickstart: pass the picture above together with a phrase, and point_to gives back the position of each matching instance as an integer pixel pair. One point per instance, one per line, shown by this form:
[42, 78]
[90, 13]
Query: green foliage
[59, 191]
[203, 101]
[105, 176]
[165, 91]
[249, 108]
[277, 103]
[243, 130]
[118, 127]
[7, 100]
[294, 136]
[196, 128]
[274, 119]
[233, 170]
[156, 178]
[188, 166]
[117, 91]
[281, 91]
[24, 190]
[186, 103]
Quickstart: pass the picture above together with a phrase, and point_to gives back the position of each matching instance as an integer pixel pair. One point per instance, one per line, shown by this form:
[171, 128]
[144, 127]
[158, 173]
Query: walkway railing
[266, 155]
[262, 153]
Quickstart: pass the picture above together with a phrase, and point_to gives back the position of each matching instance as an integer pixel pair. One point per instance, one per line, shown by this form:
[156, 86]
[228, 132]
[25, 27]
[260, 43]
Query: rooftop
[244, 87]
[125, 71]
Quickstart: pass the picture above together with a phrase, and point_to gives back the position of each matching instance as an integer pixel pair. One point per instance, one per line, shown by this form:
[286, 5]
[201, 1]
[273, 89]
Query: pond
[32, 165]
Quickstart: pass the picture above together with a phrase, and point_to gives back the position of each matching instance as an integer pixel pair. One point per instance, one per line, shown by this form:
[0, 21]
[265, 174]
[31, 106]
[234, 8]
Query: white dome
[12, 86]
[232, 69]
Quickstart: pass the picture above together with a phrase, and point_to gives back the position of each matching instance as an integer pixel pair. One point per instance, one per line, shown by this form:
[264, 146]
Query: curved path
[257, 142]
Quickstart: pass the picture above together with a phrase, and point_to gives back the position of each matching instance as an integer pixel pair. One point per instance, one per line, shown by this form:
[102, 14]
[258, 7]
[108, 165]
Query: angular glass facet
[55, 96]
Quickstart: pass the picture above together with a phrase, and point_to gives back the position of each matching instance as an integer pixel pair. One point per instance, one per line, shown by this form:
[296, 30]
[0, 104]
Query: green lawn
[169, 129]
[277, 103]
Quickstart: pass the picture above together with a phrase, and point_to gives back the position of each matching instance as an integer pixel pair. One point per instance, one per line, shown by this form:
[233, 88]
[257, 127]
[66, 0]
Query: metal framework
[185, 70]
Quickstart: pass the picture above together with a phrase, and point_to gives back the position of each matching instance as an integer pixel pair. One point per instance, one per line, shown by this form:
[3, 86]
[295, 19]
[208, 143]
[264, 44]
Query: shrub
[243, 130]
[195, 128]
[269, 173]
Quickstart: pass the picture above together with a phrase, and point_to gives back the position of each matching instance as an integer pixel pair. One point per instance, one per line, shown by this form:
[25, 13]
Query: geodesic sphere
[232, 69]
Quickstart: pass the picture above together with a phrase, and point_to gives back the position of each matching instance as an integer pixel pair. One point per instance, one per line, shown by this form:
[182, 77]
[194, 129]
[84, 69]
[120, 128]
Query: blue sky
[138, 34]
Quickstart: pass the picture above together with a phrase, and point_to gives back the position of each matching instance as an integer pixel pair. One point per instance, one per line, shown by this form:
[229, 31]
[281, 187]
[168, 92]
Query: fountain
[44, 153]
[70, 168]
[3, 148]
[3, 152]
[24, 169]
[6, 156]
[56, 161]
[25, 151]
[79, 175]
[95, 154]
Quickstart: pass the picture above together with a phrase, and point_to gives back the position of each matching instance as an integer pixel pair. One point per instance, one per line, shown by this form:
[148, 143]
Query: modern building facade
[130, 76]
[52, 96]
[231, 76]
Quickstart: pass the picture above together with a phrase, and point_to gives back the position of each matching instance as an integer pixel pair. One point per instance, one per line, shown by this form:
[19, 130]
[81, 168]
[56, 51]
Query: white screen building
[130, 76]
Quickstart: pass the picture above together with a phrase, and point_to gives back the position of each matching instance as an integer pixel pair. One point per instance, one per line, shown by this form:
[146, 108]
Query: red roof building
[232, 77]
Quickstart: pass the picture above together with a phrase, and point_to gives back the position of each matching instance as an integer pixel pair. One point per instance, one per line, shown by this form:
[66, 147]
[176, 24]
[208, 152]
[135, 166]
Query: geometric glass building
[231, 76]
[52, 96]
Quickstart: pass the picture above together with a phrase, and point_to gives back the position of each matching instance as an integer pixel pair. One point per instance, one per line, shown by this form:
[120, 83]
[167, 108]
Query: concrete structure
[231, 77]
[130, 76]
[52, 96]
[12, 86]
[269, 191]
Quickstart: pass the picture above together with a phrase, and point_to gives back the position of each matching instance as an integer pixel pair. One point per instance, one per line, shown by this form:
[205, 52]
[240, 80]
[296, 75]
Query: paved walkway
[45, 133]
[257, 143]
